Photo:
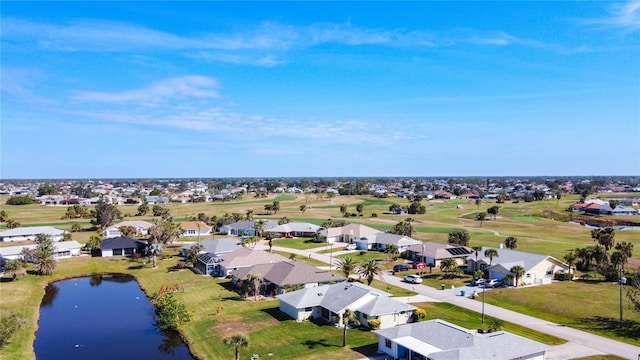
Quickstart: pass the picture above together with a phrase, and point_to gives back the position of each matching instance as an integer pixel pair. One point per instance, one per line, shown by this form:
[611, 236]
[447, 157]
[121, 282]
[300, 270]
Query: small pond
[102, 317]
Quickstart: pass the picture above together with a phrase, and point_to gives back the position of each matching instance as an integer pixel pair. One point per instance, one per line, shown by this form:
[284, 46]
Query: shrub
[419, 314]
[562, 276]
[19, 200]
[9, 325]
[170, 312]
[374, 215]
[374, 324]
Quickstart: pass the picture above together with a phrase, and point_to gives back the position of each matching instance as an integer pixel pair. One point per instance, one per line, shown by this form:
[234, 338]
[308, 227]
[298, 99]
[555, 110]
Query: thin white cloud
[625, 16]
[17, 84]
[200, 87]
[259, 45]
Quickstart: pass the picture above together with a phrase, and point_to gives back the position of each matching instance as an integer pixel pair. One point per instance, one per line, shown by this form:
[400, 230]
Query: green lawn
[589, 306]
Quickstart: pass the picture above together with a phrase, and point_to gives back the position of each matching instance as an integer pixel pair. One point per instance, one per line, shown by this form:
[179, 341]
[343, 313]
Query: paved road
[580, 343]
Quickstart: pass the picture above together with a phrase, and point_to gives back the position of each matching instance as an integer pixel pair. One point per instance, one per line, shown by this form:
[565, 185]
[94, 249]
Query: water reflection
[50, 294]
[102, 317]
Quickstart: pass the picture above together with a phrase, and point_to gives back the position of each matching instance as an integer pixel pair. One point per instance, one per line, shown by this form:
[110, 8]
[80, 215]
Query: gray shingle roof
[340, 296]
[288, 273]
[440, 340]
[507, 256]
[120, 242]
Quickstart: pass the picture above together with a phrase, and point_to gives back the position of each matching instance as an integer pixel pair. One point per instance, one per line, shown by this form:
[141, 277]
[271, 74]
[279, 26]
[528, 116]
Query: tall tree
[104, 214]
[275, 207]
[517, 272]
[343, 209]
[511, 242]
[303, 208]
[238, 342]
[478, 202]
[494, 210]
[249, 215]
[165, 232]
[369, 269]
[348, 317]
[403, 228]
[360, 208]
[481, 217]
[43, 255]
[143, 209]
[346, 265]
[476, 251]
[459, 237]
[258, 227]
[491, 253]
[3, 216]
[570, 259]
[604, 237]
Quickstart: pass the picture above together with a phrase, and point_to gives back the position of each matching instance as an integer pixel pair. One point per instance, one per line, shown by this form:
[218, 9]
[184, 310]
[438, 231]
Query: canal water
[102, 317]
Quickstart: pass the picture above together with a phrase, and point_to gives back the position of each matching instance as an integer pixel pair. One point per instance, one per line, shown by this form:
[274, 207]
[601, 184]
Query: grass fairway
[472, 320]
[592, 307]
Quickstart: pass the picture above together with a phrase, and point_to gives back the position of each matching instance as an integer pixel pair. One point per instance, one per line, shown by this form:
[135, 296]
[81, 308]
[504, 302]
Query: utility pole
[623, 280]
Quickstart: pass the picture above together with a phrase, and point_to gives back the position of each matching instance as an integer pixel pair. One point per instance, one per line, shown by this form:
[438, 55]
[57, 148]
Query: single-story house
[380, 240]
[539, 269]
[598, 209]
[142, 228]
[118, 246]
[330, 302]
[433, 253]
[153, 200]
[246, 227]
[224, 264]
[30, 233]
[62, 249]
[624, 210]
[214, 246]
[277, 277]
[441, 340]
[347, 234]
[194, 228]
[295, 229]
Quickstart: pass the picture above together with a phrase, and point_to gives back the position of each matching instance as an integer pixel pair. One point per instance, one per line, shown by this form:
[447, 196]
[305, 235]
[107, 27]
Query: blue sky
[216, 89]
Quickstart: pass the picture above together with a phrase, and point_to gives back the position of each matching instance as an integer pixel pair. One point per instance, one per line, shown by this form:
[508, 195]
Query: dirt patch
[228, 329]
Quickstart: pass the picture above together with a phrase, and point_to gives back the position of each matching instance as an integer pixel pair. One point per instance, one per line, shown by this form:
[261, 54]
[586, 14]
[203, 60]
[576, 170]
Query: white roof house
[380, 240]
[295, 229]
[142, 228]
[330, 302]
[539, 269]
[441, 340]
[347, 233]
[30, 233]
[62, 249]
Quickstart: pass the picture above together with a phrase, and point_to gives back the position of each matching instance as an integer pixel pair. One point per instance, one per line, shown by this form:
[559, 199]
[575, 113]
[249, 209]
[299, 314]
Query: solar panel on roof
[458, 251]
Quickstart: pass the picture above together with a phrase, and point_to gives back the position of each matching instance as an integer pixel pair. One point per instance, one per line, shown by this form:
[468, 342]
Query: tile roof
[244, 257]
[216, 246]
[194, 225]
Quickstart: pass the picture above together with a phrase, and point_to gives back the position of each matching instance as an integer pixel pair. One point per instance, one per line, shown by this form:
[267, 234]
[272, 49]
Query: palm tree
[478, 202]
[570, 258]
[303, 208]
[517, 272]
[347, 265]
[154, 249]
[237, 341]
[255, 280]
[249, 215]
[370, 268]
[43, 255]
[476, 251]
[349, 316]
[511, 242]
[447, 265]
[491, 253]
[194, 252]
[258, 227]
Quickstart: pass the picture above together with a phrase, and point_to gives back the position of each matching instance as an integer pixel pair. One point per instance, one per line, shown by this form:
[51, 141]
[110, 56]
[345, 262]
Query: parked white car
[413, 279]
[350, 247]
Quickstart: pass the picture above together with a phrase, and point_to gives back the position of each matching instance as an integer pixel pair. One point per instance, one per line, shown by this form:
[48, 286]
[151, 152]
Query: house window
[307, 309]
[117, 252]
[387, 343]
[364, 316]
[528, 275]
[128, 251]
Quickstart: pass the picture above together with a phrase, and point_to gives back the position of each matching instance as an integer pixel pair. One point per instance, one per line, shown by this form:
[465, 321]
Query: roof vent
[319, 294]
